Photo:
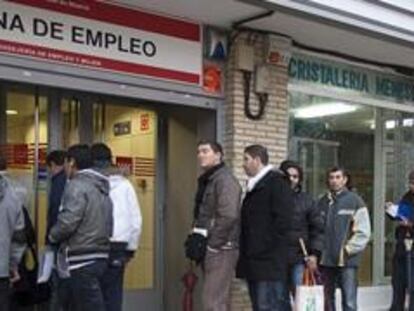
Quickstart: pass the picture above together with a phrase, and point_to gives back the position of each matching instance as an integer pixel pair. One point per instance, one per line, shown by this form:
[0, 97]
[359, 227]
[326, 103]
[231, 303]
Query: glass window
[398, 161]
[24, 141]
[325, 132]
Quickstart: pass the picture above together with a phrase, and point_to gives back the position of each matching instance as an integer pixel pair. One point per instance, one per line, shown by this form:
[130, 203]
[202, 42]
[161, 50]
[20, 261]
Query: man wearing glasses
[307, 224]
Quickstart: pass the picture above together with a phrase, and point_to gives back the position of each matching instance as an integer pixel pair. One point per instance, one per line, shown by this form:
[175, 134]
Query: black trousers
[4, 294]
[400, 283]
[113, 280]
[82, 291]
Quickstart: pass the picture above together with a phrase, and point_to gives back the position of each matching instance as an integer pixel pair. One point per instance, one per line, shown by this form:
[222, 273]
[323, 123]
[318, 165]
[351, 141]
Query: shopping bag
[309, 298]
[309, 295]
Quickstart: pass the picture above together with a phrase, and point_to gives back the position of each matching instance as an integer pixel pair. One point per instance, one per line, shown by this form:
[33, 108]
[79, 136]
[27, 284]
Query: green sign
[348, 77]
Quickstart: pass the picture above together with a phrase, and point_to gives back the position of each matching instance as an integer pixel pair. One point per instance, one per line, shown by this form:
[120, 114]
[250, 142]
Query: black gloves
[196, 247]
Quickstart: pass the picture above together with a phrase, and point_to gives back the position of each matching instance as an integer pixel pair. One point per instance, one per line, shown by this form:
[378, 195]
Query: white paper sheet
[46, 264]
[392, 210]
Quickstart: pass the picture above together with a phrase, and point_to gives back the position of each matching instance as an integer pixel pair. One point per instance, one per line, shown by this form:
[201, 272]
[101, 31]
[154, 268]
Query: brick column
[270, 131]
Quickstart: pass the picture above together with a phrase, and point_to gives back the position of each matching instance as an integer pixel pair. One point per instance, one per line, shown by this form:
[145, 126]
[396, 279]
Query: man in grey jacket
[215, 234]
[12, 239]
[347, 233]
[83, 229]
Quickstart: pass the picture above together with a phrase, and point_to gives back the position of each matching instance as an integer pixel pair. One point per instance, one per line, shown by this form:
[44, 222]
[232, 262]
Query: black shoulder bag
[26, 291]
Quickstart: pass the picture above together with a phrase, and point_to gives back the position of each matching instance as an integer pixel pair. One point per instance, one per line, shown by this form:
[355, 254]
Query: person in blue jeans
[346, 235]
[265, 223]
[307, 224]
[82, 231]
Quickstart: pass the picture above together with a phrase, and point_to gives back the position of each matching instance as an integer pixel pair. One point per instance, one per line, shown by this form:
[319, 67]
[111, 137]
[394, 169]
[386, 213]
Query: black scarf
[203, 181]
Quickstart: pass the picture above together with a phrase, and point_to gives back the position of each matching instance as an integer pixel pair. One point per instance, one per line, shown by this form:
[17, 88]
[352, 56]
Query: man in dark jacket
[55, 163]
[215, 234]
[404, 234]
[82, 230]
[265, 224]
[347, 233]
[307, 224]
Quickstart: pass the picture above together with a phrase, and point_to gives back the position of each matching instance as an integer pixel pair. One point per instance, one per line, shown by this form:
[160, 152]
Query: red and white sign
[125, 164]
[92, 33]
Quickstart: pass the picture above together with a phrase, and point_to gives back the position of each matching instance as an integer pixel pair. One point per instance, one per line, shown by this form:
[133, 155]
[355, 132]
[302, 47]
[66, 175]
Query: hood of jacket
[95, 178]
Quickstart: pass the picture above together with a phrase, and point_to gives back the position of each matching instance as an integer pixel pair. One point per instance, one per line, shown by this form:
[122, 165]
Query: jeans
[4, 294]
[400, 283]
[82, 290]
[268, 295]
[113, 280]
[347, 280]
[54, 303]
[295, 278]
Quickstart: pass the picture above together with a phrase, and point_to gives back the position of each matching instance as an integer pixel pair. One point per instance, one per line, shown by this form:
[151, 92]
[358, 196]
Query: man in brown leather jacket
[215, 234]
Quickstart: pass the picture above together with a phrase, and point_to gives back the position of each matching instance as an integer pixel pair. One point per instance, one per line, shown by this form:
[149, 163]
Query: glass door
[131, 131]
[24, 128]
[316, 156]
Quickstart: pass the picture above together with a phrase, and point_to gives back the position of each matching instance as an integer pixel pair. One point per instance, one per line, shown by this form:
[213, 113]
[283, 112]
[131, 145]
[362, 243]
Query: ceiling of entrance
[307, 32]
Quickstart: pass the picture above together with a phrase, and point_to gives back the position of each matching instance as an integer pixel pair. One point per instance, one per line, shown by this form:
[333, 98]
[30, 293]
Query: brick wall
[271, 131]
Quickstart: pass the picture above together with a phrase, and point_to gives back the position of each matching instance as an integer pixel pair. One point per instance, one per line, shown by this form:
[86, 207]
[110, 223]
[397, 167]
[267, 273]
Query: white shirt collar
[251, 183]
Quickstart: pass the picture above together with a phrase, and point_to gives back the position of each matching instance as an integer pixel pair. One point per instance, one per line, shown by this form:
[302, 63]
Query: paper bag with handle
[309, 295]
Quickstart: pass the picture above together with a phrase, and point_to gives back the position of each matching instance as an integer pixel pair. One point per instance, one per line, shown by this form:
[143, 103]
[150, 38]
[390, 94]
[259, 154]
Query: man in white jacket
[126, 229]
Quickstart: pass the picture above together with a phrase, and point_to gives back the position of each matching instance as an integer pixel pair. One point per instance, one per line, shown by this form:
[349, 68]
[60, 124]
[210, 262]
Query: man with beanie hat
[127, 226]
[401, 277]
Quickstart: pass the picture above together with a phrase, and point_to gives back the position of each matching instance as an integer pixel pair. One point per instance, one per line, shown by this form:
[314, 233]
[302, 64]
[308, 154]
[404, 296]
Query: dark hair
[82, 156]
[258, 151]
[287, 164]
[57, 157]
[3, 163]
[101, 152]
[344, 172]
[217, 148]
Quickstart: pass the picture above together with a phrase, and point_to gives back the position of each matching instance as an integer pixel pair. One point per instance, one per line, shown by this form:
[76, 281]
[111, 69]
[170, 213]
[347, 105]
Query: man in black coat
[402, 275]
[55, 163]
[265, 222]
[307, 224]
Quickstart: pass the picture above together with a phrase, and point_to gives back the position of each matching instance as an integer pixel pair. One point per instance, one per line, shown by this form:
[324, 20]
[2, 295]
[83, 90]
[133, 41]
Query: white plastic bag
[309, 298]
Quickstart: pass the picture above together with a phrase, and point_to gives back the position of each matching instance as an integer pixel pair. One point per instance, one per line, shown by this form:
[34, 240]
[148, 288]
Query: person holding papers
[402, 272]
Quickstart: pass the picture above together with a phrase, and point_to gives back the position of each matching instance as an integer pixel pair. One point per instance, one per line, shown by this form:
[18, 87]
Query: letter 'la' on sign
[103, 36]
